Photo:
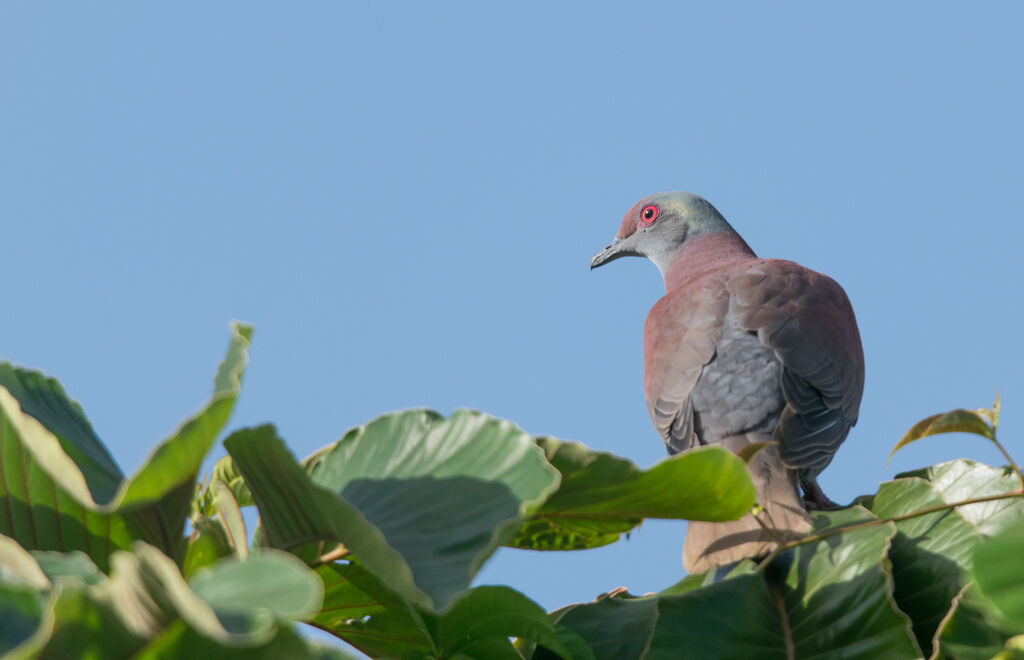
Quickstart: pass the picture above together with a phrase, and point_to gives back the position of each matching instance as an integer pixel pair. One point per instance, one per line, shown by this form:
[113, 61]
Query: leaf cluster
[377, 539]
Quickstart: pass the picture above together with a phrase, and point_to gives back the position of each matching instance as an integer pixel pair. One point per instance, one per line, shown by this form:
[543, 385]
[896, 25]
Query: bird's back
[728, 355]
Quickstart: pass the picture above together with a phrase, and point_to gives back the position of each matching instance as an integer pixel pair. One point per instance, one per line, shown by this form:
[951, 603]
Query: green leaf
[1012, 650]
[833, 600]
[932, 554]
[601, 495]
[954, 421]
[21, 610]
[71, 565]
[992, 414]
[471, 480]
[365, 613]
[496, 613]
[231, 604]
[928, 554]
[224, 470]
[180, 641]
[78, 621]
[269, 580]
[999, 572]
[361, 610]
[207, 544]
[21, 604]
[230, 515]
[964, 479]
[973, 629]
[64, 491]
[146, 605]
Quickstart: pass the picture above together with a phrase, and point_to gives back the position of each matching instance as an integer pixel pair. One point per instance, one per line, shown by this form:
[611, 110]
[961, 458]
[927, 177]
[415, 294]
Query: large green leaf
[999, 572]
[963, 479]
[932, 554]
[420, 500]
[273, 581]
[833, 600]
[181, 641]
[601, 495]
[495, 613]
[63, 490]
[365, 613]
[146, 606]
[974, 629]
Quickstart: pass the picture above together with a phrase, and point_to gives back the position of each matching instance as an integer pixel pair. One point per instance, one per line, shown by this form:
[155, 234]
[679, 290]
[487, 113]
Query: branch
[881, 521]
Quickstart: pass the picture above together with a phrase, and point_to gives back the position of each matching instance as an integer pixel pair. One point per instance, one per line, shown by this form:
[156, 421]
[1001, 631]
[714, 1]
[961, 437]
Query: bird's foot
[815, 498]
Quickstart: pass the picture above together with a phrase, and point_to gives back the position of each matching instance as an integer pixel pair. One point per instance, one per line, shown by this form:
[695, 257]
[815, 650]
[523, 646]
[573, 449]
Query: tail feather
[783, 518]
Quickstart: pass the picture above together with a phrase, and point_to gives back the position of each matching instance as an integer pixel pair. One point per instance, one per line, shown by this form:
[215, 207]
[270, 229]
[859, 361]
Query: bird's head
[657, 225]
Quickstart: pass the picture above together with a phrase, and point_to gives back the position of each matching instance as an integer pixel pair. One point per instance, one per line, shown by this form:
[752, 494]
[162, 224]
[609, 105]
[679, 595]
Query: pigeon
[743, 350]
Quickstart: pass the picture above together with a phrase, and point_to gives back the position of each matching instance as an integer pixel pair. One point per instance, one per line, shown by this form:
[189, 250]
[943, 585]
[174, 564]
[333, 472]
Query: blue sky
[403, 198]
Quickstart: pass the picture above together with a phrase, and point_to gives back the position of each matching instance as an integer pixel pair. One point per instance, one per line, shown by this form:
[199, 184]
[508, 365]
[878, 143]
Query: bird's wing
[806, 318]
[680, 336]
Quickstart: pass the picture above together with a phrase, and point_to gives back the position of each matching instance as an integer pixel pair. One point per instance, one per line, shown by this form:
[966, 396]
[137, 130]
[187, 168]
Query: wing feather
[807, 319]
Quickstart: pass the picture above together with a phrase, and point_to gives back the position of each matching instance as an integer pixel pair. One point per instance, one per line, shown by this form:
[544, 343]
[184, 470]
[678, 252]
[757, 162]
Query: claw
[815, 498]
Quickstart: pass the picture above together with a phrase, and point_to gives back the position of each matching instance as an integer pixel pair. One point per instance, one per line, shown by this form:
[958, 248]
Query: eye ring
[649, 214]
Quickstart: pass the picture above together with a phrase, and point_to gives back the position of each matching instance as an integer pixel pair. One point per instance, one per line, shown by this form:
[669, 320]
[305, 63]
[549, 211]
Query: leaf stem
[764, 526]
[881, 521]
[1006, 455]
[334, 555]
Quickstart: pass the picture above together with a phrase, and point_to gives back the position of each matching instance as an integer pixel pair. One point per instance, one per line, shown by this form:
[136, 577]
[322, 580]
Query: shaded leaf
[833, 600]
[180, 641]
[928, 554]
[63, 490]
[21, 612]
[365, 613]
[471, 479]
[149, 593]
[601, 495]
[973, 629]
[147, 605]
[496, 613]
[207, 544]
[999, 572]
[932, 554]
[70, 565]
[269, 580]
[358, 608]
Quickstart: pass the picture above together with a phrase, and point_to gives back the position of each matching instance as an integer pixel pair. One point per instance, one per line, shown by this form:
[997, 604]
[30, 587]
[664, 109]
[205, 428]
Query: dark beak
[615, 250]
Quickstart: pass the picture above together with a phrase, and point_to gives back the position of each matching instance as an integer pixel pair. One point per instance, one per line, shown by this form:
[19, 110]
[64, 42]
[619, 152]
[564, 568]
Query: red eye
[649, 214]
